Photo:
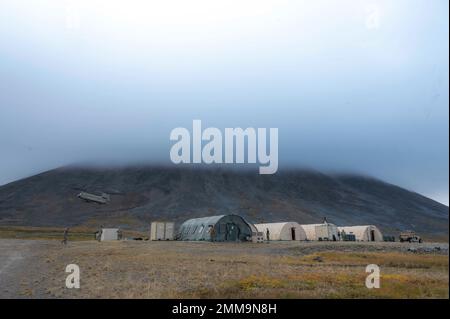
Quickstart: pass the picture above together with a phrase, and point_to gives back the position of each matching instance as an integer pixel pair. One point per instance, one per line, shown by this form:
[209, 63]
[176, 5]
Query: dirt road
[16, 258]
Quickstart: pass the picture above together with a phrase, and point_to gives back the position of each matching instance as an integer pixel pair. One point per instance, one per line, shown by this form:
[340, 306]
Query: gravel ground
[16, 258]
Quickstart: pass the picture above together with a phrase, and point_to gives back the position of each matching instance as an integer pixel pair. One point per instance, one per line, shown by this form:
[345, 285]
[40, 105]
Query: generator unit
[257, 237]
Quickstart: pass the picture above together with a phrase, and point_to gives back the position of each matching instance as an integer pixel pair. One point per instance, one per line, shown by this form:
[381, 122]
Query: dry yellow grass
[388, 259]
[214, 270]
[78, 233]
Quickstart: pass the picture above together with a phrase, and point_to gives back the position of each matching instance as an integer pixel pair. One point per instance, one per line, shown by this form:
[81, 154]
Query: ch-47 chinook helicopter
[100, 199]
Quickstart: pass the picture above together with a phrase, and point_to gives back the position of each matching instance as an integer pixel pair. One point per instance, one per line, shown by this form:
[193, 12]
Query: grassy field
[78, 233]
[130, 269]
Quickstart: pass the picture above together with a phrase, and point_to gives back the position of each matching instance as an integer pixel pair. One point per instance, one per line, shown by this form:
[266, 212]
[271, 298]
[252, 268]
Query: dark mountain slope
[142, 194]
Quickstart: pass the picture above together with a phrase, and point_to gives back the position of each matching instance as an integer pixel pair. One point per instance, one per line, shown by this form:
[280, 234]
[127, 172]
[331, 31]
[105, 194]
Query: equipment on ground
[349, 237]
[389, 238]
[257, 237]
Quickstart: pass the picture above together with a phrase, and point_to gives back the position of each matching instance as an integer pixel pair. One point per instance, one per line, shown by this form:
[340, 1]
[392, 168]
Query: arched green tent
[216, 228]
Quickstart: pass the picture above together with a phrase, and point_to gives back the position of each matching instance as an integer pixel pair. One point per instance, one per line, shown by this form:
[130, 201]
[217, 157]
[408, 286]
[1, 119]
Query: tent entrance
[232, 233]
[293, 233]
[372, 235]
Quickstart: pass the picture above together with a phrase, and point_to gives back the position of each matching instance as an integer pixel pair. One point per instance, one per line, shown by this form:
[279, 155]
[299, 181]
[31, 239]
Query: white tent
[363, 233]
[282, 231]
[325, 231]
[109, 234]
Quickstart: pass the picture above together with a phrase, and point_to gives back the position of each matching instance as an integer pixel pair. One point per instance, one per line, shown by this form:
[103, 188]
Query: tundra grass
[215, 270]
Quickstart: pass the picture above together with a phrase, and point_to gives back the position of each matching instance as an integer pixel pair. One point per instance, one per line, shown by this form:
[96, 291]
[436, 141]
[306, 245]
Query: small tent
[282, 231]
[363, 233]
[109, 234]
[216, 228]
[325, 231]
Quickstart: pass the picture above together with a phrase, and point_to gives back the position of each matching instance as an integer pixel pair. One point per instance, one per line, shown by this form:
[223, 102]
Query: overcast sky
[354, 86]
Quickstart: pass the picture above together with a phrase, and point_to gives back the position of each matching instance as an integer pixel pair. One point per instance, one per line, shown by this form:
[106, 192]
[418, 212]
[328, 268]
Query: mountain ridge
[141, 194]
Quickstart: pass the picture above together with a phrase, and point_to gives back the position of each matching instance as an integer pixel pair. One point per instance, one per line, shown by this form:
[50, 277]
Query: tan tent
[325, 231]
[363, 233]
[282, 231]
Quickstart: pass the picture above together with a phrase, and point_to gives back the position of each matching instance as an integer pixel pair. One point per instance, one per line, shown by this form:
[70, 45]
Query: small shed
[363, 233]
[161, 231]
[216, 228]
[282, 231]
[325, 231]
[108, 234]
